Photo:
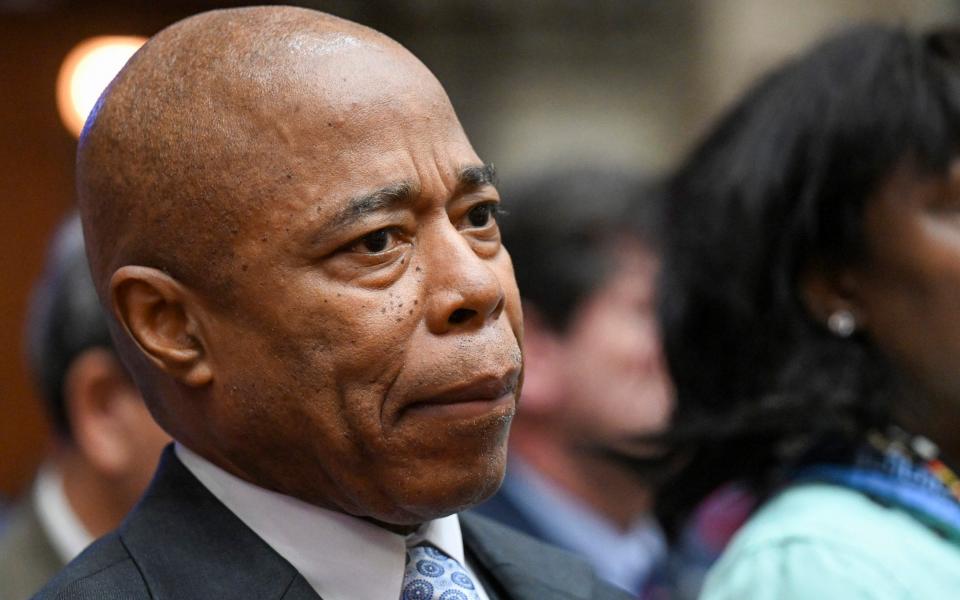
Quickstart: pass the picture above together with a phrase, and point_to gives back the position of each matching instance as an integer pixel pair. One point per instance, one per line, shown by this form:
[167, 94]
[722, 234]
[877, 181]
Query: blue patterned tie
[432, 575]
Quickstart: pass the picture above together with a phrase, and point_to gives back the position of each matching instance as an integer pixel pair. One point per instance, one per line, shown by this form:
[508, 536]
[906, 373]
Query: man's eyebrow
[477, 176]
[385, 197]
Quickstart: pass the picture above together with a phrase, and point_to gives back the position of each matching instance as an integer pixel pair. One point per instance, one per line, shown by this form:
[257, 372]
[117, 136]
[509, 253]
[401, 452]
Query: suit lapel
[300, 590]
[189, 546]
[515, 567]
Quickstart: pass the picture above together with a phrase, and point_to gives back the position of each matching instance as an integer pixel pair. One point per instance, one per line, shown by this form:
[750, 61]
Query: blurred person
[300, 252]
[809, 305]
[583, 243]
[106, 443]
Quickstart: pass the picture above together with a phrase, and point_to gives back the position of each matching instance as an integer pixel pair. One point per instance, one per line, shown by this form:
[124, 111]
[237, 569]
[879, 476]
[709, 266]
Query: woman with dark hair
[810, 304]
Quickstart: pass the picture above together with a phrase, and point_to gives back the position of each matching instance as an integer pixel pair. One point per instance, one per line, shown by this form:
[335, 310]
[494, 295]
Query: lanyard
[920, 485]
[935, 510]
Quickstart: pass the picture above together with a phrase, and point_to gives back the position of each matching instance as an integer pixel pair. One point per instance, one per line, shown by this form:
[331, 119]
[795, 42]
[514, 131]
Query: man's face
[615, 381]
[371, 358]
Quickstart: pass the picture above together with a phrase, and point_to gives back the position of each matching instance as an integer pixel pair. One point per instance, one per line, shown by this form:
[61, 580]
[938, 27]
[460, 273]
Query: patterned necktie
[432, 575]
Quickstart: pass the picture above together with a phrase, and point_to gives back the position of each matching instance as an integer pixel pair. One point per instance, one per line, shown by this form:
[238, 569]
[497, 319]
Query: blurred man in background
[107, 444]
[583, 247]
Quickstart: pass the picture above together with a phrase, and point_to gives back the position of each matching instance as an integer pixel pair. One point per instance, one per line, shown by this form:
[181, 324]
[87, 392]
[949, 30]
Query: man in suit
[583, 243]
[300, 253]
[105, 445]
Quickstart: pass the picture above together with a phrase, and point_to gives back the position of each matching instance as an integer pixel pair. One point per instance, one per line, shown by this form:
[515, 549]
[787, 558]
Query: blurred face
[112, 429]
[371, 360]
[909, 288]
[615, 380]
[146, 441]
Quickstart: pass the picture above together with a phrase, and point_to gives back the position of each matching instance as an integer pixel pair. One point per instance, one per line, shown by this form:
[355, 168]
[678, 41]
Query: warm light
[86, 71]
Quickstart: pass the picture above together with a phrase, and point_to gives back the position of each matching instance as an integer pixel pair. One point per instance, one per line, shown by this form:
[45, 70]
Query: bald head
[195, 134]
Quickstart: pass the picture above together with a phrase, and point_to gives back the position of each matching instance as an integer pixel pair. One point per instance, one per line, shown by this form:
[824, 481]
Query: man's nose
[462, 290]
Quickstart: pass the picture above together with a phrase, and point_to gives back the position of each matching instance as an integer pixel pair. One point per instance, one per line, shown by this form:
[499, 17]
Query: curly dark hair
[778, 186]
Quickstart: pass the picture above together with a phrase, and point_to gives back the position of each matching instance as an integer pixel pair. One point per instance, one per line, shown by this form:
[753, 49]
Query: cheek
[503, 267]
[909, 288]
[368, 335]
[615, 371]
[367, 347]
[333, 320]
[912, 307]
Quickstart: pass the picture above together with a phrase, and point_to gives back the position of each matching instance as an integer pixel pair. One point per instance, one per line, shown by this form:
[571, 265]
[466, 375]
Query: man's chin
[445, 494]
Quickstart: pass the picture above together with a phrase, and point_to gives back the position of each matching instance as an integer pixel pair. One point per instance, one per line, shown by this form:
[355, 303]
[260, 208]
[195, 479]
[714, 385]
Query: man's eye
[481, 214]
[375, 242]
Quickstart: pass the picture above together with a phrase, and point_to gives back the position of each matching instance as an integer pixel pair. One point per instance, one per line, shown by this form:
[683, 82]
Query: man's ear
[159, 314]
[827, 291]
[542, 383]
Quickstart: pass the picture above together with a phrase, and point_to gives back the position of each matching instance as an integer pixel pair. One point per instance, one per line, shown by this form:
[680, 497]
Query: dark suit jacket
[181, 543]
[27, 557]
[502, 509]
[505, 510]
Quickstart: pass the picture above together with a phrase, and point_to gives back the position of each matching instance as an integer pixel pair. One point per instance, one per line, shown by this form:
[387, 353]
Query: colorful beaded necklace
[924, 452]
[898, 469]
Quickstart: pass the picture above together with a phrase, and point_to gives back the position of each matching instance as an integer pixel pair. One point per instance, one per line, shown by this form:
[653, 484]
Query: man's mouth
[487, 393]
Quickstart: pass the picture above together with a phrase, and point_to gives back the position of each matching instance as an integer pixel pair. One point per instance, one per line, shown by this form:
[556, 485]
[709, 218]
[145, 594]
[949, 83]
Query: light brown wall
[35, 189]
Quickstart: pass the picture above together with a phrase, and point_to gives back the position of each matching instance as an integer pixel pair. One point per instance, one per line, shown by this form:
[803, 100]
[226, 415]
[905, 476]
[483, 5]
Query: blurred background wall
[535, 82]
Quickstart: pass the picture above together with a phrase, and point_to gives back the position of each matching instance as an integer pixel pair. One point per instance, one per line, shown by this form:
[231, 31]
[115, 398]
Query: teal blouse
[819, 541]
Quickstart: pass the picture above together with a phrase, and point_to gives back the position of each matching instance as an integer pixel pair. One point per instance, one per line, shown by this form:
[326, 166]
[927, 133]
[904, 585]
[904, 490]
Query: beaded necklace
[898, 469]
[925, 453]
[946, 476]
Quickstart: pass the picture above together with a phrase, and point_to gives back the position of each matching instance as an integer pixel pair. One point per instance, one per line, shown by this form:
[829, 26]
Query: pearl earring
[842, 323]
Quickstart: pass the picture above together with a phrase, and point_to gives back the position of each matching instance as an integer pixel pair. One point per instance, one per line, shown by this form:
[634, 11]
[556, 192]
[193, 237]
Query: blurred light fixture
[86, 71]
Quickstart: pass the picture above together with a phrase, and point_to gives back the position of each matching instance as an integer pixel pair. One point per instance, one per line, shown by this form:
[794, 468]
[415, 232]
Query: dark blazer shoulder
[528, 568]
[179, 543]
[104, 571]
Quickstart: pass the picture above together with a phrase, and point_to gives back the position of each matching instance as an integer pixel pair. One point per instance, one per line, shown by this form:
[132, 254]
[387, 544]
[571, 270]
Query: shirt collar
[66, 533]
[341, 557]
[444, 534]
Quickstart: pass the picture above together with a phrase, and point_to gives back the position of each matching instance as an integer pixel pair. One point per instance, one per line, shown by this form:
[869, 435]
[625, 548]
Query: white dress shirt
[341, 557]
[66, 533]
